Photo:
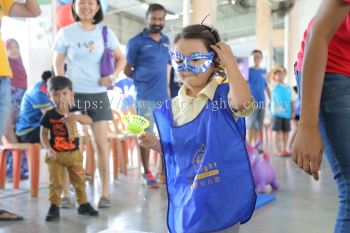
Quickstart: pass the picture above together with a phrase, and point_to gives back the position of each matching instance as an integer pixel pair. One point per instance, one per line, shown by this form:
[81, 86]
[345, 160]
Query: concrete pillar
[264, 30]
[186, 8]
[201, 8]
[293, 35]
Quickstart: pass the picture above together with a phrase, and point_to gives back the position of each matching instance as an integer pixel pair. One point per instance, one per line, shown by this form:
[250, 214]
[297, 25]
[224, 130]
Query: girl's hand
[147, 140]
[52, 154]
[224, 52]
[105, 81]
[306, 155]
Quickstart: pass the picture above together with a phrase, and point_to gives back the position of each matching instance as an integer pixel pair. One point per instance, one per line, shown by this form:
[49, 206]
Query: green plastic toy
[135, 124]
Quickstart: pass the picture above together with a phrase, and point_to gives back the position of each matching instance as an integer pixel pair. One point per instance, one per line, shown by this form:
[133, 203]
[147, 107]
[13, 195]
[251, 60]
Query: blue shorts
[256, 119]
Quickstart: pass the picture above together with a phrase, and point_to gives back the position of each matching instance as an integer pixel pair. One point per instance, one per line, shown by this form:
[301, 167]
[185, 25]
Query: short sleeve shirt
[338, 49]
[30, 113]
[59, 137]
[83, 50]
[257, 83]
[150, 59]
[5, 9]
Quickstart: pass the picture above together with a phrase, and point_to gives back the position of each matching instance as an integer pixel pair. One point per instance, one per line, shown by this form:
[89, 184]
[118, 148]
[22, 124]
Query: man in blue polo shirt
[35, 102]
[148, 63]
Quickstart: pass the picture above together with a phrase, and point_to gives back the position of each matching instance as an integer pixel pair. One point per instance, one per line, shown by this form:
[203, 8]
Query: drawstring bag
[108, 58]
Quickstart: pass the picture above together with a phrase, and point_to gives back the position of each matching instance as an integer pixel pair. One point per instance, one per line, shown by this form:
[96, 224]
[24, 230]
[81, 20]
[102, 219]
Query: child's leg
[286, 129]
[276, 127]
[292, 135]
[279, 141]
[77, 175]
[56, 170]
[66, 184]
[285, 140]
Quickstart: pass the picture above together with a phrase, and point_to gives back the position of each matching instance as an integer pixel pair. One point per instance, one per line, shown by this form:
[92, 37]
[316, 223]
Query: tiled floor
[302, 206]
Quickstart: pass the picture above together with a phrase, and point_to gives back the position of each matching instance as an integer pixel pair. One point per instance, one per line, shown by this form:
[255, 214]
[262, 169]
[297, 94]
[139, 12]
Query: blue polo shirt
[257, 83]
[149, 59]
[33, 101]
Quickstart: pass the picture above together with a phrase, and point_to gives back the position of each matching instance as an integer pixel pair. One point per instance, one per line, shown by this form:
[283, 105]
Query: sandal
[8, 216]
[279, 154]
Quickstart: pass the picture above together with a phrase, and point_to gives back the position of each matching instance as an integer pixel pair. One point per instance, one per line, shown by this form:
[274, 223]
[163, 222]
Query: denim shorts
[5, 103]
[334, 125]
[256, 119]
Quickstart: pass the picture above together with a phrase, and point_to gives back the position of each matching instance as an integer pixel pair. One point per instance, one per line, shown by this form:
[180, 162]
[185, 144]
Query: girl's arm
[239, 94]
[149, 141]
[329, 17]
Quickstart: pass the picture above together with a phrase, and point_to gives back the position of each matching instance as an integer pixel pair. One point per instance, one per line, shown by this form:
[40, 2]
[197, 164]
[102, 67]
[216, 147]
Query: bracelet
[113, 78]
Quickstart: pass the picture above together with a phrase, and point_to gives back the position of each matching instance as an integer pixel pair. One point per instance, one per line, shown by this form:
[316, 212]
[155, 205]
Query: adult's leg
[334, 127]
[5, 105]
[99, 129]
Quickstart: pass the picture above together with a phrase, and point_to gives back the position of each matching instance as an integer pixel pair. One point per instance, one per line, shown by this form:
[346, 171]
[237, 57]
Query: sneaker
[53, 214]
[66, 203]
[160, 178]
[149, 180]
[87, 209]
[104, 202]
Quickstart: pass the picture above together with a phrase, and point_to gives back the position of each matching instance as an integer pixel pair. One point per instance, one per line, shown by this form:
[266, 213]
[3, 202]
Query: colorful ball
[64, 16]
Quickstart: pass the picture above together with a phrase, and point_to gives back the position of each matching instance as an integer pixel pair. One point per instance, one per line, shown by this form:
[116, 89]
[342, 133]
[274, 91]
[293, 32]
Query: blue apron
[209, 181]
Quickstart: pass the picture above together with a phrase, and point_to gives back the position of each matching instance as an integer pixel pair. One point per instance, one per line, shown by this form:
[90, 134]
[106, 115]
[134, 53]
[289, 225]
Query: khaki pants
[73, 161]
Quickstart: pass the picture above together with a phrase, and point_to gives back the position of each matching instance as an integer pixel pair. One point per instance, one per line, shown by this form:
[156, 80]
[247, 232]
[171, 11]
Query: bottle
[72, 128]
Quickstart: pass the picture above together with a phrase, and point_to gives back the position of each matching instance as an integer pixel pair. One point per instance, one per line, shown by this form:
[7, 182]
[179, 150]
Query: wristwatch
[113, 78]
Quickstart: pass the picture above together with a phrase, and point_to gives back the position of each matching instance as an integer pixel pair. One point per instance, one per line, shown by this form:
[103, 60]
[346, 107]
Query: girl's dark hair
[46, 75]
[209, 36]
[58, 83]
[97, 18]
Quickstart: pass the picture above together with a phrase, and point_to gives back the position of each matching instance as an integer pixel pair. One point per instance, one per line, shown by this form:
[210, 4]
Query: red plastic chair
[33, 157]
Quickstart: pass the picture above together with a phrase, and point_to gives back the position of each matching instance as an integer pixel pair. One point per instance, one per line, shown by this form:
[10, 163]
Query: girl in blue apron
[202, 137]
